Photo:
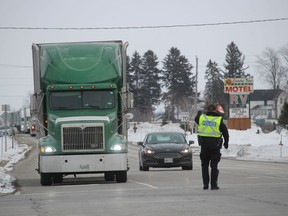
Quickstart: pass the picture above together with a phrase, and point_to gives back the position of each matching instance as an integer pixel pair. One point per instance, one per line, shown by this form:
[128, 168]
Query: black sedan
[165, 149]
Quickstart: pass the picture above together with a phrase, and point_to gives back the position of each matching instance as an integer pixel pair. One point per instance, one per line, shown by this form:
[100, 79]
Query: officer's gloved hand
[226, 145]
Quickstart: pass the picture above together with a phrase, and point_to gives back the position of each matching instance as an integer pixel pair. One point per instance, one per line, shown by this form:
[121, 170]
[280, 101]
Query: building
[267, 103]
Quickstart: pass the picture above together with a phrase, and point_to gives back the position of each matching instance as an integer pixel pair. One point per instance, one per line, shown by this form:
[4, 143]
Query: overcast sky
[206, 41]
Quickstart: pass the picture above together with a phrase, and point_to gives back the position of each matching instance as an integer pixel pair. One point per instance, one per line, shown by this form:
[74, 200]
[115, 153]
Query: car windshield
[157, 138]
[82, 100]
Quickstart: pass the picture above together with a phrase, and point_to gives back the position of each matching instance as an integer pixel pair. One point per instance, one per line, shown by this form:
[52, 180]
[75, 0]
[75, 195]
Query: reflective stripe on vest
[209, 126]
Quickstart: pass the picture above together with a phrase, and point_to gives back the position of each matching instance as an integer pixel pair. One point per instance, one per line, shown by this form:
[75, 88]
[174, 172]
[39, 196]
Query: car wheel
[145, 168]
[140, 167]
[189, 167]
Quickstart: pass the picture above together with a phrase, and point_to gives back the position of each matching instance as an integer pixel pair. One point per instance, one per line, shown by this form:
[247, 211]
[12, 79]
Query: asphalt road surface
[246, 189]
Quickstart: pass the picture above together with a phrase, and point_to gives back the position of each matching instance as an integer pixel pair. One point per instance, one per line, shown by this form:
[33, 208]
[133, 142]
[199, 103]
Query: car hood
[167, 146]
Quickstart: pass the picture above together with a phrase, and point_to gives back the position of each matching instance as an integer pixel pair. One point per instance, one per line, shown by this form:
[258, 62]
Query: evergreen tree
[149, 84]
[283, 118]
[134, 78]
[178, 80]
[214, 88]
[129, 74]
[235, 61]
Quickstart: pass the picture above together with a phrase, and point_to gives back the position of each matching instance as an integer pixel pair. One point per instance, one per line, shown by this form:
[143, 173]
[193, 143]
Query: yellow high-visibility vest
[209, 126]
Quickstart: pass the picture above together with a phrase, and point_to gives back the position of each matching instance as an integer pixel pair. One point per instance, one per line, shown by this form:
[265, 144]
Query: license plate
[168, 160]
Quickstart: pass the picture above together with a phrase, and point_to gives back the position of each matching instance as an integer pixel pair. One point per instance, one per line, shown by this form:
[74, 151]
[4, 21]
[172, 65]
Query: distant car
[1, 134]
[165, 149]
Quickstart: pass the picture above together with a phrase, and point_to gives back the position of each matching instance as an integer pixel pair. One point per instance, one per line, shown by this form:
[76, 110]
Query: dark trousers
[210, 155]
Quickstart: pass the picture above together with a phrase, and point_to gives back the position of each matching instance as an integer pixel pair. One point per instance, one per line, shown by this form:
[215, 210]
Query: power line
[25, 66]
[20, 66]
[145, 27]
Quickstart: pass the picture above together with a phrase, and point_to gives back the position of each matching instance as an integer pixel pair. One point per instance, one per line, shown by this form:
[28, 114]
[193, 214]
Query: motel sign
[238, 85]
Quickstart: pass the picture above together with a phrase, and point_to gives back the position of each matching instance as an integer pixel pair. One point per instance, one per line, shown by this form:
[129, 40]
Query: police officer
[210, 131]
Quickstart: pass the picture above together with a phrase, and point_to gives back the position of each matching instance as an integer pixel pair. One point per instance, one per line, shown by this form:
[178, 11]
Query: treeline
[174, 84]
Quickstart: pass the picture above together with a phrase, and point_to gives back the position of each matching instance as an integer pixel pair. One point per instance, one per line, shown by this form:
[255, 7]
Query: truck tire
[121, 176]
[45, 179]
[58, 178]
[109, 176]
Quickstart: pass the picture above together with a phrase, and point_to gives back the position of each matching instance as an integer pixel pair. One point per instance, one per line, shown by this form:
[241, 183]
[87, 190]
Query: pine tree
[214, 88]
[134, 78]
[235, 61]
[283, 118]
[149, 85]
[130, 76]
[178, 80]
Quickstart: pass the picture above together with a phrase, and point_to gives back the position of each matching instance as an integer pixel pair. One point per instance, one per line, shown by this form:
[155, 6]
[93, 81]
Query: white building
[267, 103]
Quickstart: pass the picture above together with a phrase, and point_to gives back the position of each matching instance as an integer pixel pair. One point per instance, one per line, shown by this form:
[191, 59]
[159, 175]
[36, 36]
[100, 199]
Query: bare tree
[270, 68]
[284, 54]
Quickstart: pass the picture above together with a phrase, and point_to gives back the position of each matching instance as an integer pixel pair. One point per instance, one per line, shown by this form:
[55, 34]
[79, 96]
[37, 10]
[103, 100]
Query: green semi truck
[80, 109]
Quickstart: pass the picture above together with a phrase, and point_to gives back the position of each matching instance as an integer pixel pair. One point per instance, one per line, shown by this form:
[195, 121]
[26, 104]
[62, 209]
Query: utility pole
[12, 129]
[25, 120]
[196, 89]
[6, 108]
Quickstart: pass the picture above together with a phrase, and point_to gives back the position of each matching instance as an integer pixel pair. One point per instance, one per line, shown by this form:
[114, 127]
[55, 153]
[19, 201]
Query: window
[66, 100]
[165, 138]
[102, 99]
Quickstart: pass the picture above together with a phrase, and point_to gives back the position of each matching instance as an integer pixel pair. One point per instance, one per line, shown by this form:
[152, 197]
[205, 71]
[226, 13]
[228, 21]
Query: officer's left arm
[224, 131]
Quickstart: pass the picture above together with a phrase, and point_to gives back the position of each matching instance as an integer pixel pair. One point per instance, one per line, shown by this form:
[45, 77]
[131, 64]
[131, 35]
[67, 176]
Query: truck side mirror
[129, 116]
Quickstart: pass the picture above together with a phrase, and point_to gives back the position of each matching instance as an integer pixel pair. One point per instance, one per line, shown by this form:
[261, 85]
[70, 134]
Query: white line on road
[141, 183]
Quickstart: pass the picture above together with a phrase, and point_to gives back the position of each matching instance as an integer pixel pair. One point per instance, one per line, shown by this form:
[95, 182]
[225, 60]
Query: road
[246, 189]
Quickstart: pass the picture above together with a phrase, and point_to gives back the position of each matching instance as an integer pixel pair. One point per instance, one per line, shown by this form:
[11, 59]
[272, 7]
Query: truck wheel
[121, 176]
[109, 176]
[45, 179]
[58, 178]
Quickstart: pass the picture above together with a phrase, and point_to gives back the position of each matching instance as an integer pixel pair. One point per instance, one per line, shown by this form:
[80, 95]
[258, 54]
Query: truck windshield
[102, 99]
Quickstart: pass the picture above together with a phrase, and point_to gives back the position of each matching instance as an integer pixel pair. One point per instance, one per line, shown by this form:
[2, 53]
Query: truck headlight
[118, 147]
[47, 149]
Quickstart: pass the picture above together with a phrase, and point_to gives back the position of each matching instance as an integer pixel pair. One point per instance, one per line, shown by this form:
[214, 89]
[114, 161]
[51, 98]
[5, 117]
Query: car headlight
[148, 151]
[185, 151]
[47, 149]
[118, 147]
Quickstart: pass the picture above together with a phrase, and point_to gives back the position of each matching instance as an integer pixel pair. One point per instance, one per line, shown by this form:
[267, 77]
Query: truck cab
[80, 109]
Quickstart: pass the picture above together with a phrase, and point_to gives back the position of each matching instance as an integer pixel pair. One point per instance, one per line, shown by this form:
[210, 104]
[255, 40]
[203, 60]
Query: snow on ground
[10, 153]
[243, 145]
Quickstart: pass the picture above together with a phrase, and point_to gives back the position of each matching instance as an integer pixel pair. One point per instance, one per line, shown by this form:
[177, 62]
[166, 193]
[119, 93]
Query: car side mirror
[140, 143]
[191, 142]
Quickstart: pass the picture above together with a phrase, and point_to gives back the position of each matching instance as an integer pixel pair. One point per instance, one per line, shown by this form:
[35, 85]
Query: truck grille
[82, 138]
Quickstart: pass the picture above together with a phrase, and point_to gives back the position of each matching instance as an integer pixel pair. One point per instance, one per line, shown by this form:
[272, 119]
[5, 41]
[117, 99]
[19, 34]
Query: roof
[265, 94]
[165, 132]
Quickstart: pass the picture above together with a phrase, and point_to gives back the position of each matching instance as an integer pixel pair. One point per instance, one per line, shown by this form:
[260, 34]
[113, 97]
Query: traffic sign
[185, 117]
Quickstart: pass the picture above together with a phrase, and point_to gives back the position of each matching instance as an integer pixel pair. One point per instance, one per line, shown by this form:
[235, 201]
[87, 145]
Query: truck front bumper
[83, 163]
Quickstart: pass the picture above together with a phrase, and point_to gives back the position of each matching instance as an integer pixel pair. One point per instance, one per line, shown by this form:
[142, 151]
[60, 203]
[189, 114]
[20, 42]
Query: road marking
[141, 183]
